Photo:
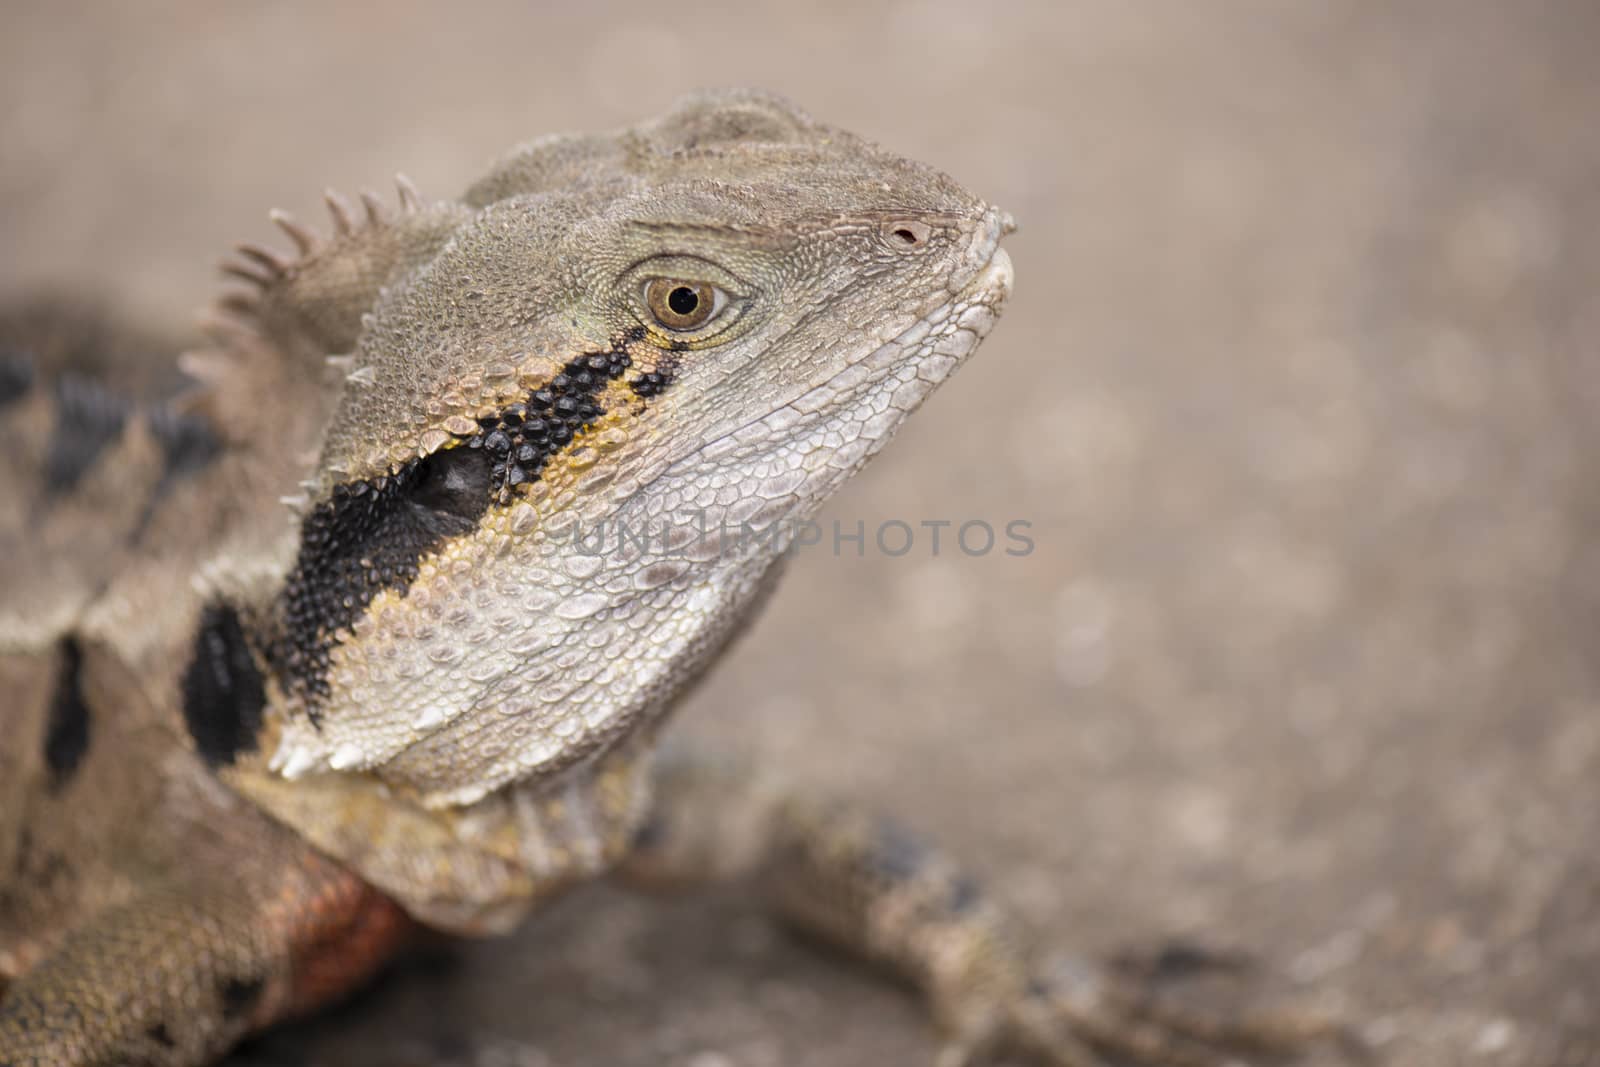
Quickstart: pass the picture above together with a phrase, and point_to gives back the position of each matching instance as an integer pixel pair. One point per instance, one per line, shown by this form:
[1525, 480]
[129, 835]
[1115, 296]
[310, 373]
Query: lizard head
[579, 433]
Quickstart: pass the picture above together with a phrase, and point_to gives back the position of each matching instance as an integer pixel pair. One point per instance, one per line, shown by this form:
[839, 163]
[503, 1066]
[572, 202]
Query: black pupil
[683, 300]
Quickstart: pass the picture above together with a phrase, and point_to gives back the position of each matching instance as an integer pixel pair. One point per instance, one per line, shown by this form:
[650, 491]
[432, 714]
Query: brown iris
[680, 305]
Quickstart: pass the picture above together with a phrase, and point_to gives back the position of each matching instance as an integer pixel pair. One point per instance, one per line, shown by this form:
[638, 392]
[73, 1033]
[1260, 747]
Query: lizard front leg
[176, 975]
[874, 889]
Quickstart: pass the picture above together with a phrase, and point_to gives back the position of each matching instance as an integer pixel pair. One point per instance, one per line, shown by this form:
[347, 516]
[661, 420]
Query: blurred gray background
[1298, 391]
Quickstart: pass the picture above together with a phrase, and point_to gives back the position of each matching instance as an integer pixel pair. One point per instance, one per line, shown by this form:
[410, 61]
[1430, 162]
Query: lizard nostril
[908, 233]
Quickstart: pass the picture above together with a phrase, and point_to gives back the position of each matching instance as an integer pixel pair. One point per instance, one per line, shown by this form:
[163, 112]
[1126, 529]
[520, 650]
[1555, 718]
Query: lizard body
[316, 651]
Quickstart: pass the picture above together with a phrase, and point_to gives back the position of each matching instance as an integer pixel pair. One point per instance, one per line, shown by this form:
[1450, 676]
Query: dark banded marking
[965, 894]
[188, 445]
[66, 738]
[89, 417]
[188, 442]
[16, 375]
[223, 695]
[240, 996]
[895, 854]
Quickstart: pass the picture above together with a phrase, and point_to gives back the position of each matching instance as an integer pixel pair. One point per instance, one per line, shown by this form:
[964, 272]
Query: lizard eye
[680, 304]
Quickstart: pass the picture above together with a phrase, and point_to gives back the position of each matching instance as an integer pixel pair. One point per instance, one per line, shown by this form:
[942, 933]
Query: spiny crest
[309, 303]
[265, 268]
[300, 307]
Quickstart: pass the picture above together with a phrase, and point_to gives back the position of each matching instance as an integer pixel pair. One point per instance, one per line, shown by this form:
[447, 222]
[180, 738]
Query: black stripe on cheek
[521, 439]
[652, 383]
[223, 695]
[66, 738]
[88, 418]
[371, 535]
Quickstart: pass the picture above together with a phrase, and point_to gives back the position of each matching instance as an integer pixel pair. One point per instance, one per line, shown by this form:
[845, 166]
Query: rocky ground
[1298, 391]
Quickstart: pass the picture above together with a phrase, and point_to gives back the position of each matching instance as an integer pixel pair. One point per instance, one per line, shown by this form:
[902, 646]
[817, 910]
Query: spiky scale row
[264, 267]
[410, 199]
[305, 240]
[376, 215]
[339, 211]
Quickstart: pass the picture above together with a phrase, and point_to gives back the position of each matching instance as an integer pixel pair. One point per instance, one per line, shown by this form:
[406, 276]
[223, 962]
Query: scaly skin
[250, 749]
